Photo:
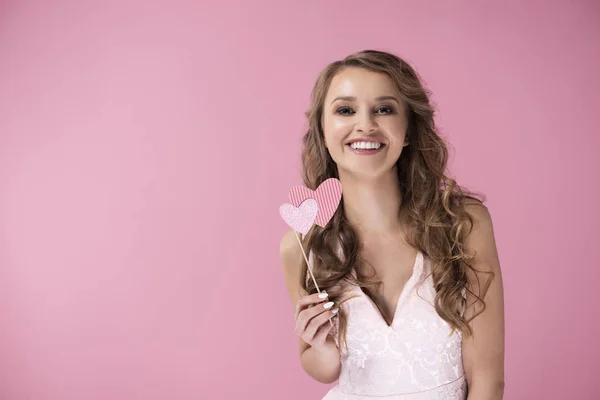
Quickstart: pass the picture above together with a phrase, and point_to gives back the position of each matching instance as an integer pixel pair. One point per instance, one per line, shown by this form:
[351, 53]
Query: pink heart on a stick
[300, 218]
[327, 195]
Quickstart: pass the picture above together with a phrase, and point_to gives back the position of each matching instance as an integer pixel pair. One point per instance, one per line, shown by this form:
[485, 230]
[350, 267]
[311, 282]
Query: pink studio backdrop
[145, 148]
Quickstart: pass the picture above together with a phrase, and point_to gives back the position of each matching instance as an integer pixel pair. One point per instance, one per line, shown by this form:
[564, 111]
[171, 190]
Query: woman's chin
[369, 172]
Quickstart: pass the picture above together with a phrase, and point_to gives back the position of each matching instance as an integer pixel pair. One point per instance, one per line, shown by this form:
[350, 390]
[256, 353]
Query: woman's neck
[372, 205]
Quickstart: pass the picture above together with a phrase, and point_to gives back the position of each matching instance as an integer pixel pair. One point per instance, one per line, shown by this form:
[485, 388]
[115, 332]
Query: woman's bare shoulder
[472, 201]
[289, 250]
[291, 263]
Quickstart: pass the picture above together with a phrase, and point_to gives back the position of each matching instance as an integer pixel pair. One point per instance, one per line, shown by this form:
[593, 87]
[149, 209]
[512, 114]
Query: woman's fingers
[322, 333]
[317, 322]
[305, 301]
[306, 315]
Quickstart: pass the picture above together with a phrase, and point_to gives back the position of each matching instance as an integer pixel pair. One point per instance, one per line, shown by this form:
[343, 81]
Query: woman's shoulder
[469, 201]
[478, 211]
[290, 251]
[291, 262]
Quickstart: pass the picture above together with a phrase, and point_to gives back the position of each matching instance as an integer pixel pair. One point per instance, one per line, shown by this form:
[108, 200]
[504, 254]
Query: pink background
[145, 148]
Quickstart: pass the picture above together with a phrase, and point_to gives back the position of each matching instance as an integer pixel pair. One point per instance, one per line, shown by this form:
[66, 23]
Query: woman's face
[364, 106]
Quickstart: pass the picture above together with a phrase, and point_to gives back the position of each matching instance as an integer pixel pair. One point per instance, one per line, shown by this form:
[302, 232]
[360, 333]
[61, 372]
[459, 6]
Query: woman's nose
[366, 123]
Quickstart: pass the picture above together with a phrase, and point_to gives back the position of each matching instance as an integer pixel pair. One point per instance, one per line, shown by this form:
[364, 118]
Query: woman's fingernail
[328, 304]
[335, 310]
[323, 295]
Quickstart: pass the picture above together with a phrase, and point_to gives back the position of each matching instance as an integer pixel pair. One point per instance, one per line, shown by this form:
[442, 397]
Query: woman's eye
[386, 109]
[344, 110]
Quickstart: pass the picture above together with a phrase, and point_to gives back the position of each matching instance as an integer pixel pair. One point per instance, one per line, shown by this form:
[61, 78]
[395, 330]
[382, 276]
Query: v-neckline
[403, 293]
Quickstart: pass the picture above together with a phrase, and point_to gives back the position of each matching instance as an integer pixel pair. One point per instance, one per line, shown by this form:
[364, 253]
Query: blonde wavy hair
[432, 210]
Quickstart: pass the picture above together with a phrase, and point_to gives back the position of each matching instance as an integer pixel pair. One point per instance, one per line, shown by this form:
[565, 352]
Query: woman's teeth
[365, 145]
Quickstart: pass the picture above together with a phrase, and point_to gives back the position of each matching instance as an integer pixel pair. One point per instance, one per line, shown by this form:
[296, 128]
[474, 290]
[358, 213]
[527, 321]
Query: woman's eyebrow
[352, 98]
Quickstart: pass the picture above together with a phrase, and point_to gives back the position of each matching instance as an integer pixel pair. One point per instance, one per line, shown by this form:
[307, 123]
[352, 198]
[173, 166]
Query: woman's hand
[312, 316]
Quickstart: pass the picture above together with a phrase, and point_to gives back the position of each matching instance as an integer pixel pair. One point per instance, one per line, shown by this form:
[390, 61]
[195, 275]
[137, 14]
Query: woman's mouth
[366, 148]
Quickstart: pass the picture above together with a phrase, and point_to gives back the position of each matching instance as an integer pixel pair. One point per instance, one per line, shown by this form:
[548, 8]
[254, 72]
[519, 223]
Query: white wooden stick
[309, 268]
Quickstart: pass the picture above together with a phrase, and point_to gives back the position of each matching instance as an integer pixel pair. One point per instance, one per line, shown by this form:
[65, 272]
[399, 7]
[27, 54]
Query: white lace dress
[416, 358]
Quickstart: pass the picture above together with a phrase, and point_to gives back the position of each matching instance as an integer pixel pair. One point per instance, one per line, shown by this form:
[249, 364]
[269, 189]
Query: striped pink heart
[327, 195]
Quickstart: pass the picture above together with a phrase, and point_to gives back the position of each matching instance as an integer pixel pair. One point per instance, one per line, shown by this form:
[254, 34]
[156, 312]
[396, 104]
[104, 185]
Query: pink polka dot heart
[327, 195]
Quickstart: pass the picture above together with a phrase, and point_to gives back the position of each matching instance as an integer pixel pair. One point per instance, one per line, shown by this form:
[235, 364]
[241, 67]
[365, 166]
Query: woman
[407, 267]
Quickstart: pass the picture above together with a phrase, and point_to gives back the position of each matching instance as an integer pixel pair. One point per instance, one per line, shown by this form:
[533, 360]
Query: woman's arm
[483, 353]
[322, 364]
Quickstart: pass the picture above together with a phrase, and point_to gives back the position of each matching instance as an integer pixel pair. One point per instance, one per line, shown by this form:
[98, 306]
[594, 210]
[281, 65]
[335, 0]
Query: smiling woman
[408, 261]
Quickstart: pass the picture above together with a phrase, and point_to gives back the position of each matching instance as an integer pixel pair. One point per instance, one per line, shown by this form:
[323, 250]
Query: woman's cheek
[340, 128]
[341, 123]
[337, 130]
